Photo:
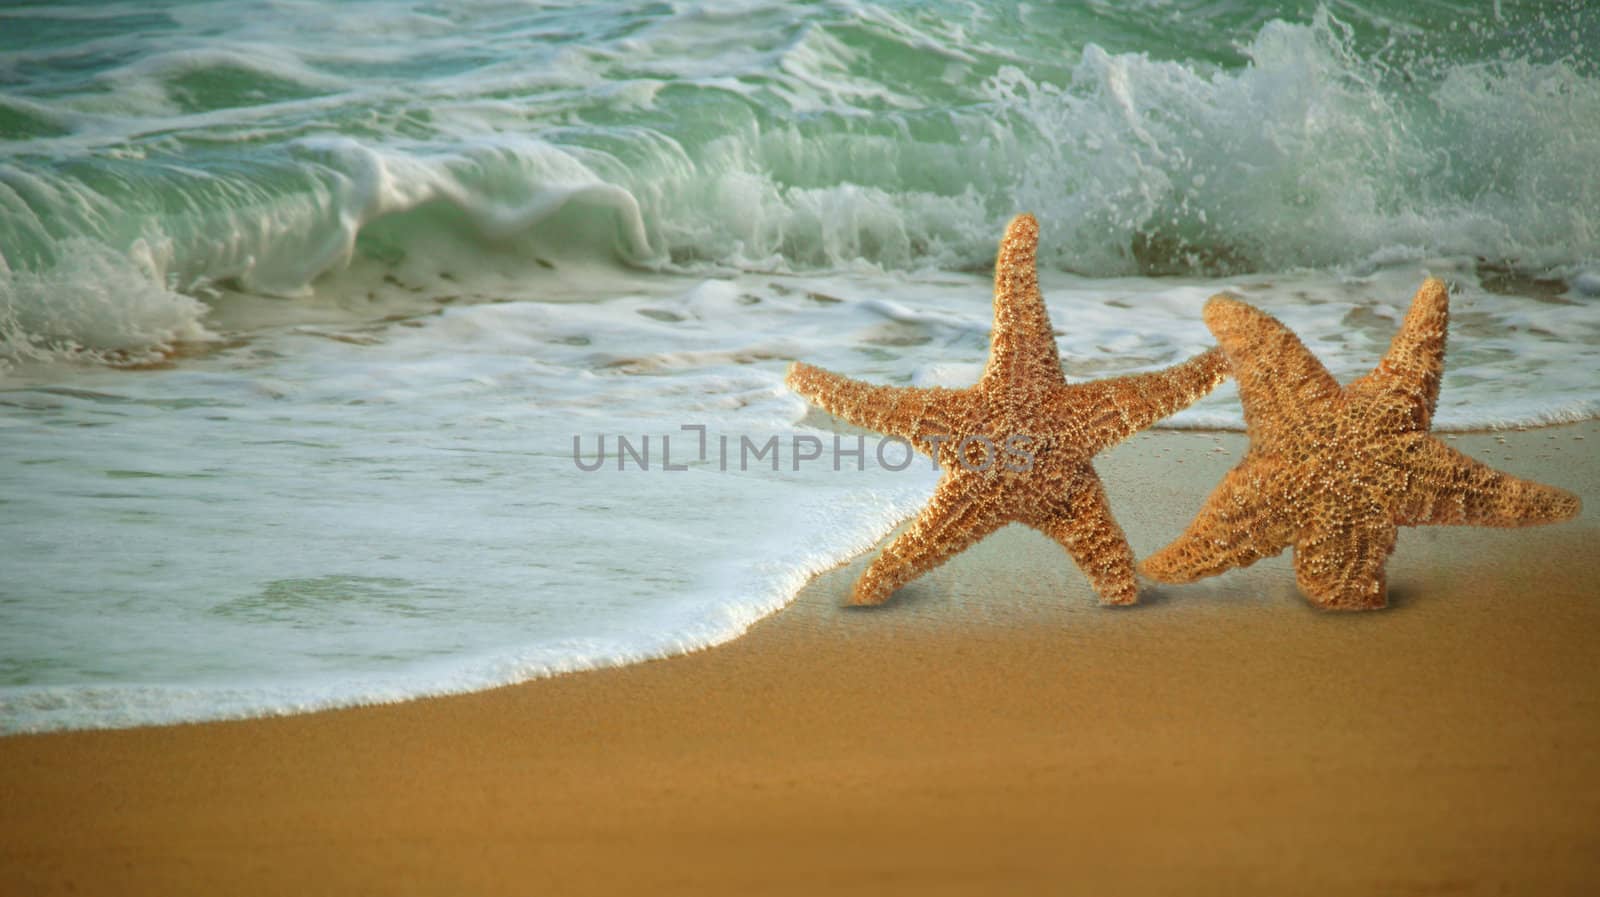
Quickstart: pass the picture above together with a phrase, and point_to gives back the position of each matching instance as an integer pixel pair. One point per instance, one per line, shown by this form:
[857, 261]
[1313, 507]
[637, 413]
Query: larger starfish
[1017, 446]
[1335, 471]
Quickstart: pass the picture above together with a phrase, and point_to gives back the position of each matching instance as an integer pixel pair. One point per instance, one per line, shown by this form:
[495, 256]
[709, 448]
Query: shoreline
[992, 728]
[1220, 436]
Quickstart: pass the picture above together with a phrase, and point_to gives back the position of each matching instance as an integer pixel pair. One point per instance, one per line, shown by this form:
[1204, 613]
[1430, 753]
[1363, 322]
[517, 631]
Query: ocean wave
[839, 140]
[97, 305]
[113, 274]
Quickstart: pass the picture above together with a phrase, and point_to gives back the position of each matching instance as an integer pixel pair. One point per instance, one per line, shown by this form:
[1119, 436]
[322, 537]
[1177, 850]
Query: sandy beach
[991, 730]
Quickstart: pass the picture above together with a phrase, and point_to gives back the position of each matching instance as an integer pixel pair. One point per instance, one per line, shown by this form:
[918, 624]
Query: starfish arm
[910, 413]
[1339, 565]
[1083, 524]
[1405, 384]
[961, 512]
[1114, 409]
[1022, 344]
[1281, 384]
[1240, 523]
[1448, 488]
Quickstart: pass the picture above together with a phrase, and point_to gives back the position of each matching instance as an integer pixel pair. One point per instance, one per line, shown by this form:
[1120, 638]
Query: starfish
[1017, 446]
[1335, 471]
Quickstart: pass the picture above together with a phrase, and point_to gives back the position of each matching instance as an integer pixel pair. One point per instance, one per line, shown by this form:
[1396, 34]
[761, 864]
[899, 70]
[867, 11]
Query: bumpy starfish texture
[1335, 471]
[1017, 446]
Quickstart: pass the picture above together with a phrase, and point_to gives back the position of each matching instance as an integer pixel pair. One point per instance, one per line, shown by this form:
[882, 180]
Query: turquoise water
[199, 146]
[302, 305]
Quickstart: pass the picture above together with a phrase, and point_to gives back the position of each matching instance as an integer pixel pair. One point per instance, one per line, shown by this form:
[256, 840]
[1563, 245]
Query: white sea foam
[308, 549]
[98, 305]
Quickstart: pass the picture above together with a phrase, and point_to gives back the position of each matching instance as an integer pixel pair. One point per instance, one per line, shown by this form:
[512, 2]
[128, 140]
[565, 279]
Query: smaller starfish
[1015, 447]
[1335, 471]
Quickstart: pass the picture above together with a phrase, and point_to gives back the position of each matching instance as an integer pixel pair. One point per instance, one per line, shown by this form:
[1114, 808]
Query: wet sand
[990, 731]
